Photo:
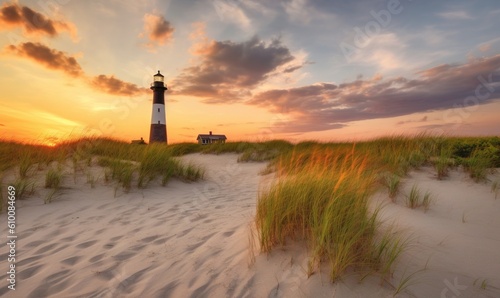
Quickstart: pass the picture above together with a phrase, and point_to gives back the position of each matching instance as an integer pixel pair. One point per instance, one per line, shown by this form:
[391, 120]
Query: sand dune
[193, 240]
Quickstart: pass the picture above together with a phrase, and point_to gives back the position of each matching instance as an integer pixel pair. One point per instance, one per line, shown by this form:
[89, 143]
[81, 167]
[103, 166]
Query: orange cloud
[47, 57]
[33, 23]
[158, 30]
[61, 61]
[114, 86]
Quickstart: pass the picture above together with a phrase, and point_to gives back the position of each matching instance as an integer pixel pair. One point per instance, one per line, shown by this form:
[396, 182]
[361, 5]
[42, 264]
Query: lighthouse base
[158, 133]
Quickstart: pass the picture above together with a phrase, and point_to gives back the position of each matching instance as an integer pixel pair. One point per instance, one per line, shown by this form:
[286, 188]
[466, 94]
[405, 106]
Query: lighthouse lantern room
[158, 132]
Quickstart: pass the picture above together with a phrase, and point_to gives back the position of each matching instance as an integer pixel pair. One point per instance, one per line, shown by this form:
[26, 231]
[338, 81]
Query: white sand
[192, 240]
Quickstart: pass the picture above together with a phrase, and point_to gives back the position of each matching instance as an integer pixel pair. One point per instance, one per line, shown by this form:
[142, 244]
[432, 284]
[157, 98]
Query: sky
[256, 70]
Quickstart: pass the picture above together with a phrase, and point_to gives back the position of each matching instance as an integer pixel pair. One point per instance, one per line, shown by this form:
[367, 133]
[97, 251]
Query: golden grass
[321, 194]
[322, 190]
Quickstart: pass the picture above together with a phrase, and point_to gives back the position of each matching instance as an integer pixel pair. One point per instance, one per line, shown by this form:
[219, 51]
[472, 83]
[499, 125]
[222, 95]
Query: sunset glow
[250, 69]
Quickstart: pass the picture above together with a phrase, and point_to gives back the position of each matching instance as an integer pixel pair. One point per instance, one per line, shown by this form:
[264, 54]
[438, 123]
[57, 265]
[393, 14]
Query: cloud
[230, 12]
[61, 61]
[226, 70]
[304, 12]
[488, 45]
[423, 119]
[258, 7]
[2, 124]
[34, 23]
[47, 57]
[485, 47]
[385, 51]
[157, 29]
[455, 15]
[114, 86]
[326, 106]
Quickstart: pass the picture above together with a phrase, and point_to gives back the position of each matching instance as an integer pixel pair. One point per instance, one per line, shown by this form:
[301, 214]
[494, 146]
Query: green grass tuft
[24, 188]
[427, 200]
[322, 196]
[495, 188]
[121, 171]
[53, 178]
[392, 182]
[413, 198]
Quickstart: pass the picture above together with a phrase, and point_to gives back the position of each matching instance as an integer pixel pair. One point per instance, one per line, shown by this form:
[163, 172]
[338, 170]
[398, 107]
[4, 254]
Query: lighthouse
[158, 133]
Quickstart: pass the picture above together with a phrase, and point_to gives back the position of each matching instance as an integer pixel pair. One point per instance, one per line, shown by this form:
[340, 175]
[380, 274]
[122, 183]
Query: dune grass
[415, 199]
[495, 188]
[24, 188]
[53, 178]
[121, 171]
[322, 196]
[2, 202]
[124, 163]
[392, 182]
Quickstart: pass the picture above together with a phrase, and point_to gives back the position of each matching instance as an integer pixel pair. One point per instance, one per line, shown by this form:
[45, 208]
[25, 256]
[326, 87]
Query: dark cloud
[48, 57]
[2, 124]
[114, 86]
[33, 23]
[326, 106]
[158, 30]
[228, 70]
[58, 60]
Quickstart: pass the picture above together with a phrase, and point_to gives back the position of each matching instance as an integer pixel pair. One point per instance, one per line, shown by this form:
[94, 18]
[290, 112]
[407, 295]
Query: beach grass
[413, 198]
[495, 188]
[24, 188]
[322, 190]
[53, 178]
[392, 182]
[320, 195]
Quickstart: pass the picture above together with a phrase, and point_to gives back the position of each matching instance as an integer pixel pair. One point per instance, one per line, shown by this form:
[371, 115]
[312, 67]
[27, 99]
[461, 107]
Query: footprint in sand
[228, 234]
[116, 238]
[68, 239]
[97, 258]
[71, 261]
[29, 260]
[46, 248]
[29, 272]
[124, 256]
[149, 239]
[86, 244]
[162, 240]
[35, 243]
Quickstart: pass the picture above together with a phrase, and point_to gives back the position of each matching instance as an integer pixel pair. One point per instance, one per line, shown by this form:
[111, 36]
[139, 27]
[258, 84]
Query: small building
[139, 142]
[210, 138]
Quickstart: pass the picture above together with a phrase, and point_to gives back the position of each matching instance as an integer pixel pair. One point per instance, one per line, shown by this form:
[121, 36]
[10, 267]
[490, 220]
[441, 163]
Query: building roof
[211, 137]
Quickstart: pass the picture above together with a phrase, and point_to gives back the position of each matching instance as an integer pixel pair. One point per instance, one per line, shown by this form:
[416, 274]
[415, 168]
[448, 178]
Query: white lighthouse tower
[158, 133]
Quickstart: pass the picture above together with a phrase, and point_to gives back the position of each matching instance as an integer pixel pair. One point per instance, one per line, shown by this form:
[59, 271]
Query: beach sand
[195, 240]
